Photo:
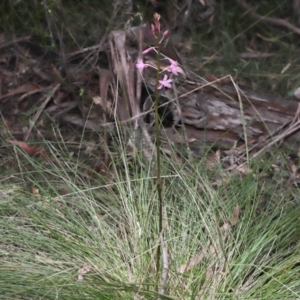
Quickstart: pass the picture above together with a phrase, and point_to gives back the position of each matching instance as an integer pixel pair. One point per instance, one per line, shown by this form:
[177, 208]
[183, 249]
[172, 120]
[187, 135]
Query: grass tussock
[223, 241]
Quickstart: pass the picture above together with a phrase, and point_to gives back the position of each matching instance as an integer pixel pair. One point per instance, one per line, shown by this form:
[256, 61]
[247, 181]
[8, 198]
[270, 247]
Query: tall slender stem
[158, 166]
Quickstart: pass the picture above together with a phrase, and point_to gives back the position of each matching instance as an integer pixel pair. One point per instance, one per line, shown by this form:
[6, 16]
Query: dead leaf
[35, 191]
[213, 159]
[235, 215]
[5, 72]
[85, 269]
[297, 93]
[25, 88]
[293, 169]
[28, 149]
[105, 106]
[244, 169]
[33, 151]
[225, 227]
[22, 68]
[192, 262]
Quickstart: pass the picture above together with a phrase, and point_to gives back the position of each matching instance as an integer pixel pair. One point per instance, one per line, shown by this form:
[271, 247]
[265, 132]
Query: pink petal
[173, 62]
[140, 65]
[148, 50]
[157, 25]
[165, 33]
[164, 79]
[168, 84]
[173, 68]
[153, 29]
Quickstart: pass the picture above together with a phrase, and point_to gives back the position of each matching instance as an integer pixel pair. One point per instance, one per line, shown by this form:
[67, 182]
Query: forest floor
[79, 209]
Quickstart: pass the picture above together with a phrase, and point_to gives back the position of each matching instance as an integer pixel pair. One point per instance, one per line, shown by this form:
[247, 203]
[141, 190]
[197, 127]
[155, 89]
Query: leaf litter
[87, 98]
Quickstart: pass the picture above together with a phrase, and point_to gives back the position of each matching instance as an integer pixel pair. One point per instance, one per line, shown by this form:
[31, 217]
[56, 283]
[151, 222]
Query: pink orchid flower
[165, 82]
[173, 68]
[140, 65]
